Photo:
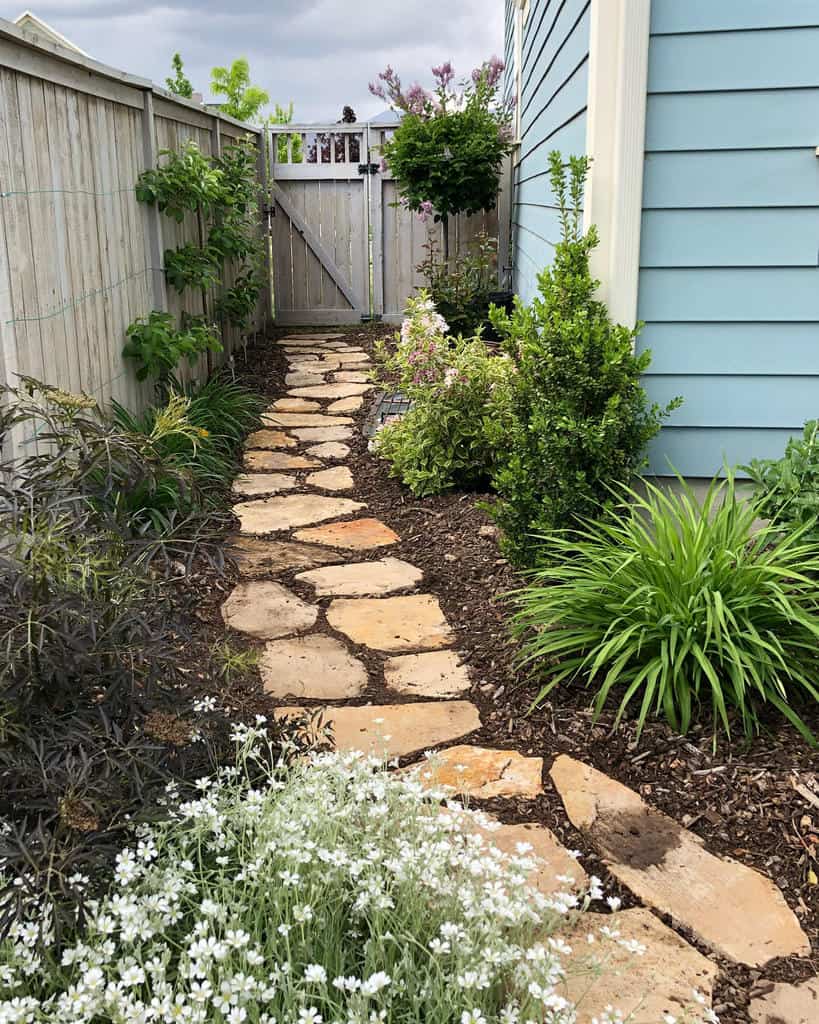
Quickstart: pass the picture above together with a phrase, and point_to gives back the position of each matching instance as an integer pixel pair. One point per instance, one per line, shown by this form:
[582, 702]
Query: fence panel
[80, 258]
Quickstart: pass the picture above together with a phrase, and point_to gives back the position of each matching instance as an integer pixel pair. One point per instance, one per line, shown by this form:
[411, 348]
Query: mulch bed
[741, 801]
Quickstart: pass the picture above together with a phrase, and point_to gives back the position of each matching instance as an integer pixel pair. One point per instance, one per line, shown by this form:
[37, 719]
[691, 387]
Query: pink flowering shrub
[459, 392]
[447, 153]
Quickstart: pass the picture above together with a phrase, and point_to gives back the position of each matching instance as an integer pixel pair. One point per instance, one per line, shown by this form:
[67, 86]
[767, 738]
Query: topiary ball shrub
[679, 609]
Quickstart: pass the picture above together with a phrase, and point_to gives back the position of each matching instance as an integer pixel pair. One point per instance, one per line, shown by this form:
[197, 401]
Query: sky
[318, 53]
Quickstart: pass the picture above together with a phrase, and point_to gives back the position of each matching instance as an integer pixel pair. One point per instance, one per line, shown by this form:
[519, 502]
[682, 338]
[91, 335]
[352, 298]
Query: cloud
[318, 53]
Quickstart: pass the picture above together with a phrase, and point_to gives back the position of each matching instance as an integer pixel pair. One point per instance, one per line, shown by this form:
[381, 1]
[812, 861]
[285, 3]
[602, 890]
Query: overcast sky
[319, 53]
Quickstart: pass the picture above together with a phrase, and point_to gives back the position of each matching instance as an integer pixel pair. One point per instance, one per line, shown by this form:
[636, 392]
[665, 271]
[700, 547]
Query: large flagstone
[272, 514]
[266, 461]
[365, 579]
[787, 1004]
[431, 674]
[304, 419]
[730, 907]
[554, 863]
[256, 557]
[356, 535]
[337, 478]
[395, 730]
[270, 439]
[267, 610]
[323, 433]
[392, 623]
[330, 390]
[315, 667]
[483, 773]
[252, 484]
[330, 450]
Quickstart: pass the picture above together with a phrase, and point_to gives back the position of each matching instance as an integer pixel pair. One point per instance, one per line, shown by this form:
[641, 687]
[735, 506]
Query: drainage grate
[388, 408]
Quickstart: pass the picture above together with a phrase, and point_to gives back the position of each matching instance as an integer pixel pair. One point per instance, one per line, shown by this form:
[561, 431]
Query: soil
[739, 799]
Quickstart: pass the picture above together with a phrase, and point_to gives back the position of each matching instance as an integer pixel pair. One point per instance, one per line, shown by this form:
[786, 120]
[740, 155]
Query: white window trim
[615, 142]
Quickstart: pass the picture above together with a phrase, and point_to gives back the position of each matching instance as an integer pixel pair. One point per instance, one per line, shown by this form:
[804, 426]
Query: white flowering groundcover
[331, 893]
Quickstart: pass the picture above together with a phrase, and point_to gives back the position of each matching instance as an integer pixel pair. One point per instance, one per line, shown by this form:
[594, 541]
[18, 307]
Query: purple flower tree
[447, 153]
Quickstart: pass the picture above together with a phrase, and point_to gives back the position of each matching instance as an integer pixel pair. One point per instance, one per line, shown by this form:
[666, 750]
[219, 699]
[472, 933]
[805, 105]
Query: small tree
[282, 116]
[179, 84]
[578, 418]
[243, 100]
[446, 154]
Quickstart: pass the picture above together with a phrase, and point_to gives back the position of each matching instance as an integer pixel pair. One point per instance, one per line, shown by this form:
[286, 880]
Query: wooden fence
[343, 248]
[80, 258]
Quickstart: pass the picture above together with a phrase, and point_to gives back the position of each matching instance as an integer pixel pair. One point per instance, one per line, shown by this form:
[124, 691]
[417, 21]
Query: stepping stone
[394, 730]
[350, 377]
[256, 557]
[272, 514]
[552, 856]
[331, 390]
[267, 610]
[266, 461]
[304, 419]
[250, 484]
[303, 380]
[652, 987]
[299, 338]
[434, 674]
[330, 450]
[392, 623]
[352, 355]
[356, 535]
[316, 369]
[339, 478]
[730, 907]
[316, 667]
[323, 433]
[295, 405]
[483, 773]
[367, 579]
[269, 439]
[787, 1004]
[343, 405]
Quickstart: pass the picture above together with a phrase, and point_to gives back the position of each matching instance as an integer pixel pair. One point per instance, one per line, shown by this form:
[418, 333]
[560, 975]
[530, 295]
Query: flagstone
[315, 667]
[337, 478]
[297, 339]
[657, 985]
[263, 483]
[554, 862]
[295, 405]
[482, 772]
[432, 674]
[352, 355]
[267, 610]
[330, 450]
[266, 461]
[303, 380]
[270, 439]
[395, 730]
[271, 514]
[392, 623]
[331, 390]
[787, 1004]
[356, 535]
[365, 579]
[730, 907]
[349, 377]
[318, 368]
[344, 405]
[323, 433]
[304, 419]
[255, 557]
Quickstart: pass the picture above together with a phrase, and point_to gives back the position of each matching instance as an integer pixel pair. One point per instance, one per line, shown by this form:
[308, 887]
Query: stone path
[362, 625]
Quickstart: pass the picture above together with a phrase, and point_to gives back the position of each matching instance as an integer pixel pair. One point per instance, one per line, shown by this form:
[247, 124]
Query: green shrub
[461, 286]
[334, 891]
[184, 183]
[158, 347]
[580, 420]
[189, 266]
[787, 489]
[676, 608]
[443, 441]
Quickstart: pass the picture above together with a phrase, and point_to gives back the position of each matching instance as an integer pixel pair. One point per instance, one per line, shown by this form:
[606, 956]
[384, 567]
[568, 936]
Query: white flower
[309, 1015]
[132, 976]
[315, 973]
[473, 1017]
[375, 983]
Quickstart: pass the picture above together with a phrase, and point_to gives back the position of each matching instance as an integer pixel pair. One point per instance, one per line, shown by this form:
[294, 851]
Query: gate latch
[368, 168]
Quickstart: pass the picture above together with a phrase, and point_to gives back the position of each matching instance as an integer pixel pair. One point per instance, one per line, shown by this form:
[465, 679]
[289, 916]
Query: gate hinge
[368, 168]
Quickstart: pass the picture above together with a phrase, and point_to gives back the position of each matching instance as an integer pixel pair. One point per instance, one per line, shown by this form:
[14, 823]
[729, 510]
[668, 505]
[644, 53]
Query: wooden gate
[343, 249]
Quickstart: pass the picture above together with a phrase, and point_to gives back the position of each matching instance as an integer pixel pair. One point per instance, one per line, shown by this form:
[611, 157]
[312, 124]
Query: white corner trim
[615, 142]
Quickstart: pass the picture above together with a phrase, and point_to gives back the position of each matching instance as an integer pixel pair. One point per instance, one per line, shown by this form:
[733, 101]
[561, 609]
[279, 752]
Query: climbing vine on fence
[223, 194]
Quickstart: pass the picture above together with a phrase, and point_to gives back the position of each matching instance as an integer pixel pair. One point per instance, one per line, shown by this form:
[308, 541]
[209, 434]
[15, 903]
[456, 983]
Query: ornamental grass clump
[680, 609]
[331, 892]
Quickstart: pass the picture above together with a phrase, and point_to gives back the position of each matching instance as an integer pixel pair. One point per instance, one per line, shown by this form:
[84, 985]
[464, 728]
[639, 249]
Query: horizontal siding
[554, 76]
[729, 280]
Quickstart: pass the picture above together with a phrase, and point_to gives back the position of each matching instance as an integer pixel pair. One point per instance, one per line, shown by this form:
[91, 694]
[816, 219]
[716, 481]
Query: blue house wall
[729, 283]
[553, 102]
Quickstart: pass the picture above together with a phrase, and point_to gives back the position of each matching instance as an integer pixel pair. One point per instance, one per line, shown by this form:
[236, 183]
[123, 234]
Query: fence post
[374, 183]
[505, 200]
[265, 163]
[155, 249]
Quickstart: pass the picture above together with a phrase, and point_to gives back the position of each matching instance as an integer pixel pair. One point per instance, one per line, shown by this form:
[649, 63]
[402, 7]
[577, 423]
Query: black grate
[389, 407]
